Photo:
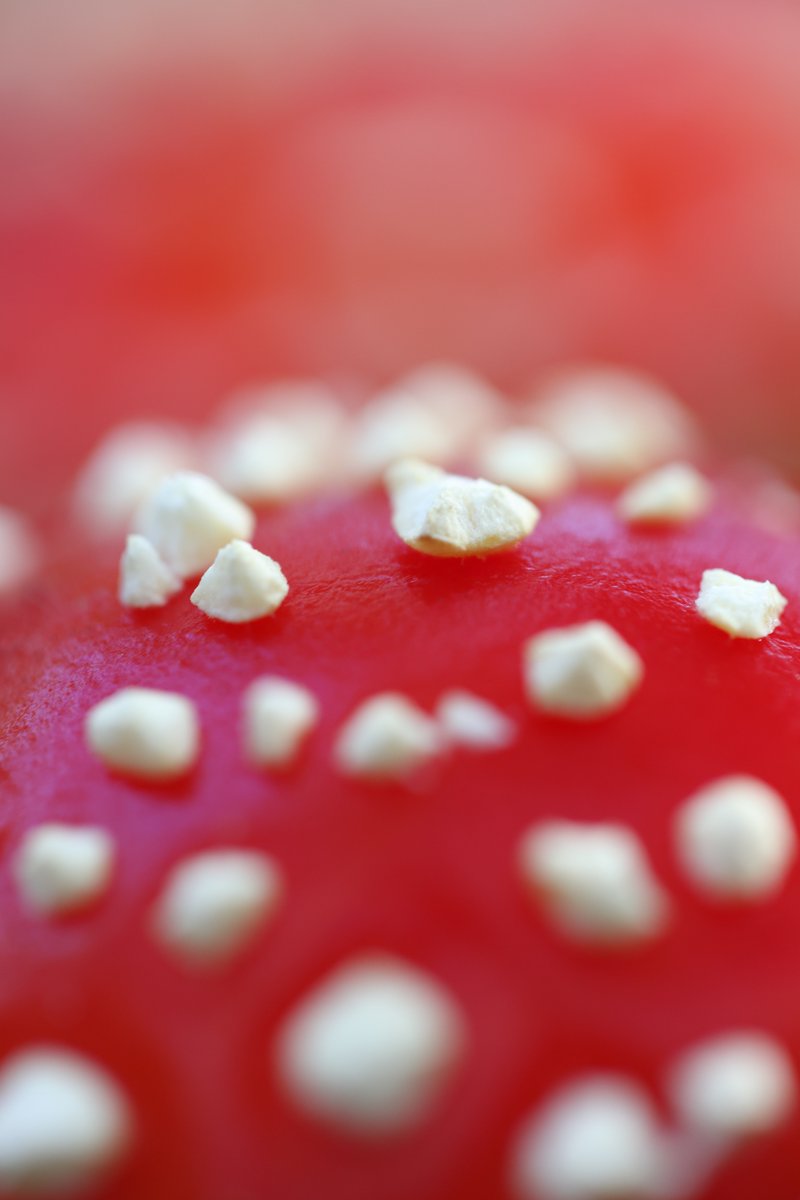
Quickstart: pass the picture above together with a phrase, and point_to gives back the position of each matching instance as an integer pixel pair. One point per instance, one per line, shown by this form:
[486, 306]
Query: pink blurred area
[197, 195]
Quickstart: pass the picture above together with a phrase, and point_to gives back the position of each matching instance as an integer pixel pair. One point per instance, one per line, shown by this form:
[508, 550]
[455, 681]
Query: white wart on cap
[278, 716]
[188, 518]
[145, 732]
[145, 580]
[242, 584]
[595, 880]
[387, 737]
[473, 722]
[371, 1048]
[59, 868]
[63, 1122]
[736, 838]
[529, 461]
[453, 516]
[581, 671]
[214, 903]
[20, 554]
[744, 608]
[671, 495]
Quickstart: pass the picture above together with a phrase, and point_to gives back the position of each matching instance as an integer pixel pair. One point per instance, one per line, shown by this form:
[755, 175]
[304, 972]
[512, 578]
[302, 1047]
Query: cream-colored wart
[242, 584]
[529, 461]
[371, 1049]
[59, 868]
[453, 516]
[20, 554]
[214, 903]
[581, 671]
[744, 608]
[64, 1122]
[387, 738]
[474, 723]
[145, 580]
[596, 1139]
[145, 732]
[734, 1086]
[595, 881]
[278, 717]
[671, 495]
[736, 838]
[188, 518]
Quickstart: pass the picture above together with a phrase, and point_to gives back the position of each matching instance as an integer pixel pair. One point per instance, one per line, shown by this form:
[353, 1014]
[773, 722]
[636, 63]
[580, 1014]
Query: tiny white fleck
[59, 868]
[529, 461]
[743, 608]
[470, 721]
[581, 671]
[242, 584]
[145, 732]
[670, 495]
[371, 1048]
[734, 1085]
[20, 553]
[595, 880]
[278, 716]
[387, 737]
[597, 1138]
[63, 1122]
[213, 904]
[451, 515]
[145, 581]
[736, 838]
[188, 518]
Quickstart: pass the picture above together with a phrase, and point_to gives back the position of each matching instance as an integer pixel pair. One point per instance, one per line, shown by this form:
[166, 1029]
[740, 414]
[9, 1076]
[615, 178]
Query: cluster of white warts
[373, 1045]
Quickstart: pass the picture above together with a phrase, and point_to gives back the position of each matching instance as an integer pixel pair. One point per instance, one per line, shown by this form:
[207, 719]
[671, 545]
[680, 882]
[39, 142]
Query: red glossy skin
[428, 874]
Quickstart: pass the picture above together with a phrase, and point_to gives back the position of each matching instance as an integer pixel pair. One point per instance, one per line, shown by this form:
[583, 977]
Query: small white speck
[188, 518]
[736, 838]
[470, 721]
[63, 1122]
[372, 1046]
[671, 495]
[242, 584]
[581, 671]
[213, 904]
[145, 581]
[595, 880]
[743, 608]
[387, 737]
[20, 554]
[529, 461]
[145, 732]
[735, 1085]
[278, 716]
[596, 1139]
[451, 515]
[59, 868]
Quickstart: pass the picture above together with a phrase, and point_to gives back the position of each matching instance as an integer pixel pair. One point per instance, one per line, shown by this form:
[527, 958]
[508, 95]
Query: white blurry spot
[145, 732]
[124, 469]
[242, 584]
[213, 903]
[278, 716]
[20, 555]
[529, 461]
[188, 518]
[63, 1122]
[145, 581]
[436, 412]
[370, 1049]
[470, 721]
[596, 1139]
[387, 737]
[736, 838]
[743, 608]
[59, 868]
[453, 516]
[614, 423]
[595, 880]
[581, 671]
[670, 495]
[735, 1085]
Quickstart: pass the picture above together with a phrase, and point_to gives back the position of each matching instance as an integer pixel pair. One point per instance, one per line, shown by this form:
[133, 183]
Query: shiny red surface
[426, 873]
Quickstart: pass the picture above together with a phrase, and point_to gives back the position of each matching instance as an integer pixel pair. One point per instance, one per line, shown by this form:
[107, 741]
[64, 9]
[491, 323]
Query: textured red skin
[426, 873]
